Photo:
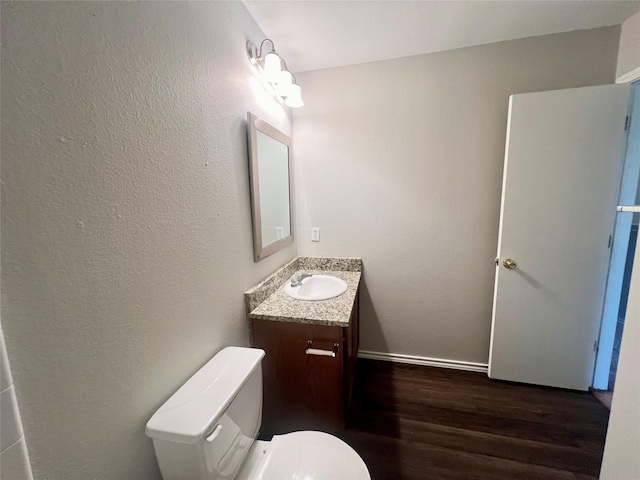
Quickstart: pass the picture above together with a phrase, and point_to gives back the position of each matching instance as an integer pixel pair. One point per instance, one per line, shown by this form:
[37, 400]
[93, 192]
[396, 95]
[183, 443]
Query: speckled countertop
[278, 306]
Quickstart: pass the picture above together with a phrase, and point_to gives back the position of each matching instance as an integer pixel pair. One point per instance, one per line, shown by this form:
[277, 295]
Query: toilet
[207, 430]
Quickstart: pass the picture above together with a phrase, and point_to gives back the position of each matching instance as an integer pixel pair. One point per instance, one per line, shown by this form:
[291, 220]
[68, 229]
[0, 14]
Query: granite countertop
[279, 306]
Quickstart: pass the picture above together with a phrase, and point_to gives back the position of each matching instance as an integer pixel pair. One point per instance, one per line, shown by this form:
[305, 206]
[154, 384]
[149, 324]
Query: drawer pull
[323, 353]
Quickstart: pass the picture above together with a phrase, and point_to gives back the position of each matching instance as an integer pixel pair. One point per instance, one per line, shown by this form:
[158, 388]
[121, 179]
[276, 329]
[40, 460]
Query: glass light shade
[294, 100]
[272, 67]
[285, 80]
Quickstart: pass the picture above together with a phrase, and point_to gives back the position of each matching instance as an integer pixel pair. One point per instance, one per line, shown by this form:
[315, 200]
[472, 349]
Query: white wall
[400, 162]
[126, 225]
[621, 460]
[629, 51]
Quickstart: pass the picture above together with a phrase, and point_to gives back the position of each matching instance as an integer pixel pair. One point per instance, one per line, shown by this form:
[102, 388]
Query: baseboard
[425, 361]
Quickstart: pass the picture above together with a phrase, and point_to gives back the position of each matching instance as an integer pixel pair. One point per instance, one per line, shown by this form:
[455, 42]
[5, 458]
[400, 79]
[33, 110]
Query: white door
[562, 174]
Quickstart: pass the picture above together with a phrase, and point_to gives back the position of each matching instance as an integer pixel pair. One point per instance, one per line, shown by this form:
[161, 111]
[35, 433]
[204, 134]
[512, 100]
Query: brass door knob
[509, 263]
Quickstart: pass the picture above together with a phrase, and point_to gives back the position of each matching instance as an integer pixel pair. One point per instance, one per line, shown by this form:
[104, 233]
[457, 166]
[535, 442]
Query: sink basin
[317, 287]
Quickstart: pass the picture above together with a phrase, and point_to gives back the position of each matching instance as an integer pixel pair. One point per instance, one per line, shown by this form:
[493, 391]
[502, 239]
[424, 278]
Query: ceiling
[311, 35]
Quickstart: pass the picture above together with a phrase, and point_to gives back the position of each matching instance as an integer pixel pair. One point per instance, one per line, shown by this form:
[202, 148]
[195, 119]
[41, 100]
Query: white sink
[317, 287]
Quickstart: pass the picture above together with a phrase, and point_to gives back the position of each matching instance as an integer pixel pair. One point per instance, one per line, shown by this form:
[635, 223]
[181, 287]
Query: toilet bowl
[207, 430]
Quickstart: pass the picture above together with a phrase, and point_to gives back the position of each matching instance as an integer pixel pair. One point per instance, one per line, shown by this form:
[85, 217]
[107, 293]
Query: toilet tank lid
[197, 405]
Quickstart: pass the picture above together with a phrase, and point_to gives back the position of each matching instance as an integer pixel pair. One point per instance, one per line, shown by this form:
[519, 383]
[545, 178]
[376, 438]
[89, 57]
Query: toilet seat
[303, 455]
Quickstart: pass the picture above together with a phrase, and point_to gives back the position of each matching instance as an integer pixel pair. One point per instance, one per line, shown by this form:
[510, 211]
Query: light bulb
[284, 83]
[294, 100]
[272, 67]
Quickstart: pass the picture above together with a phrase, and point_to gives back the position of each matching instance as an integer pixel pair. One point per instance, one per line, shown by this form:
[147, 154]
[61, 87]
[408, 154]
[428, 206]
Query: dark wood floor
[410, 422]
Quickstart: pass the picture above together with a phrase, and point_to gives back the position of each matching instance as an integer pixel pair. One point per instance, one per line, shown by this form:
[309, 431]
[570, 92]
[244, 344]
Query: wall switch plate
[279, 232]
[315, 234]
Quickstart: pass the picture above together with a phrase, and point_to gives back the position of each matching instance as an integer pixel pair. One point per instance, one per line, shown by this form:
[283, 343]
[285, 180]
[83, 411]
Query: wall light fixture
[273, 70]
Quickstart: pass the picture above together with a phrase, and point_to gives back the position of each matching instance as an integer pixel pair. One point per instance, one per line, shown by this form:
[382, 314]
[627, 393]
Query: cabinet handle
[324, 353]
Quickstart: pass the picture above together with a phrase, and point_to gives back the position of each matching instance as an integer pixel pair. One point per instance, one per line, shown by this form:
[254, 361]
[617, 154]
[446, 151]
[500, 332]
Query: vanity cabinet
[306, 389]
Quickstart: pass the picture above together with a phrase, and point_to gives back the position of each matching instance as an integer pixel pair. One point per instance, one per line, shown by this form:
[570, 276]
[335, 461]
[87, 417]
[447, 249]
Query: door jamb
[632, 77]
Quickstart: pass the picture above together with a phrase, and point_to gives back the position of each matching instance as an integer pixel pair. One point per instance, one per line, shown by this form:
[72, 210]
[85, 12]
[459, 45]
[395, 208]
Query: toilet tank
[204, 431]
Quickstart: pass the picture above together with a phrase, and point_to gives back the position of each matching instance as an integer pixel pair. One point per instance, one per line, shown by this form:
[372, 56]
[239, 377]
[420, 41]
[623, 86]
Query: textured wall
[126, 226]
[629, 52]
[400, 162]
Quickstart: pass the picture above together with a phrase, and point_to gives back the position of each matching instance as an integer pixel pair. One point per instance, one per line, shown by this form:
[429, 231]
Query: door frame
[617, 258]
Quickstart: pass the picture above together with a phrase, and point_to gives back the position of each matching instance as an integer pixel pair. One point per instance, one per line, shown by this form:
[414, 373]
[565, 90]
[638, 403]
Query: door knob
[509, 263]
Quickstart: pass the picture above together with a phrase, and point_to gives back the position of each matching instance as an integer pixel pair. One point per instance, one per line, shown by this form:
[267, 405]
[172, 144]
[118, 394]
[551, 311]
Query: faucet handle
[296, 281]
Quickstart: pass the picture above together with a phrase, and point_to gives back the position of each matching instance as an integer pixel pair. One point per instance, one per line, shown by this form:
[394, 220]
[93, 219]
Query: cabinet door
[301, 391]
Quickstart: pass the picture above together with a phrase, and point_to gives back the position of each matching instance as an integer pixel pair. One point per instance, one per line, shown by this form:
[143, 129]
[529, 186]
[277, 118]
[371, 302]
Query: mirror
[271, 187]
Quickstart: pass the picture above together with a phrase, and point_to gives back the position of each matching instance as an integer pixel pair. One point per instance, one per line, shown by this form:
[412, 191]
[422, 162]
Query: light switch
[279, 232]
[315, 234]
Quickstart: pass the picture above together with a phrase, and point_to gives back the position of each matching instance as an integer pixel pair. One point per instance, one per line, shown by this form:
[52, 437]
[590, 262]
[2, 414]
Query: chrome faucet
[296, 282]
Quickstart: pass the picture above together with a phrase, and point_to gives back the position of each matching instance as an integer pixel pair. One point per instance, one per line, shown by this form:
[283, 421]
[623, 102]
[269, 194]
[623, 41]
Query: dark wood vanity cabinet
[303, 391]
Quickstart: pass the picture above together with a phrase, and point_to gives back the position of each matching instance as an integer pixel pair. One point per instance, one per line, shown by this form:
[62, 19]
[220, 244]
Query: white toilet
[207, 430]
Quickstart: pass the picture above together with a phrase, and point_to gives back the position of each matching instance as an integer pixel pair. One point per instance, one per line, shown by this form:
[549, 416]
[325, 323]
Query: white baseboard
[425, 361]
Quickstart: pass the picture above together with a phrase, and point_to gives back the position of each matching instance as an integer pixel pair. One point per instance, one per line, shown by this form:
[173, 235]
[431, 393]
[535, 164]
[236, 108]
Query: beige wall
[126, 226]
[629, 52]
[400, 162]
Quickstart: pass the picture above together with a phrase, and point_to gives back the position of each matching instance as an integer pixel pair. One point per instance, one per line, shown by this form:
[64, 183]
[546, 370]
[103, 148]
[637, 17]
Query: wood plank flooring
[412, 422]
